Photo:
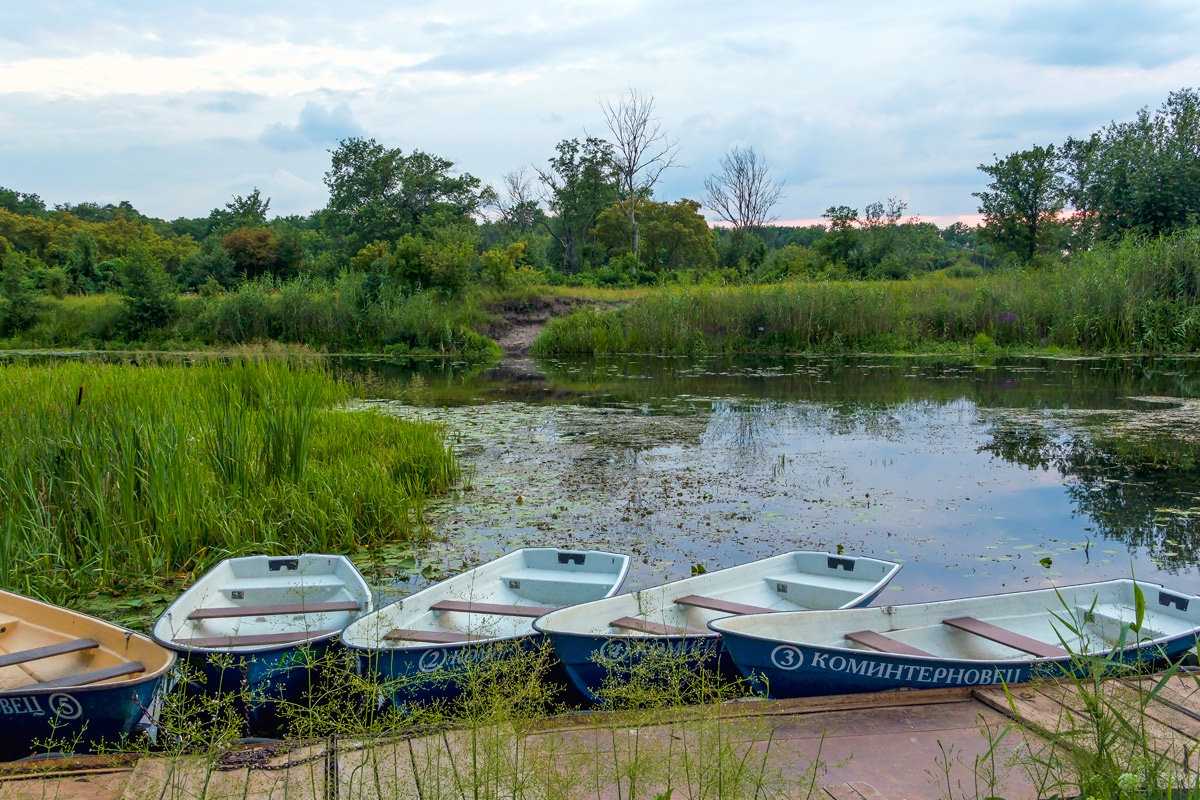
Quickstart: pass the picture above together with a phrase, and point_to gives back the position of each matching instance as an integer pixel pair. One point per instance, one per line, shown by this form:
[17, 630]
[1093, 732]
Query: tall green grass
[1135, 296]
[117, 477]
[346, 316]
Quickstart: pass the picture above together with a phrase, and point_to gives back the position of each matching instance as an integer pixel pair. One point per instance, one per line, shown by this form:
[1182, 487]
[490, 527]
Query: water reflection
[979, 477]
[1137, 486]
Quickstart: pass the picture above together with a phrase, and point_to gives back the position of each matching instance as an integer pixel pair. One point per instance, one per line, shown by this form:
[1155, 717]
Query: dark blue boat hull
[599, 666]
[440, 673]
[783, 670]
[76, 720]
[267, 689]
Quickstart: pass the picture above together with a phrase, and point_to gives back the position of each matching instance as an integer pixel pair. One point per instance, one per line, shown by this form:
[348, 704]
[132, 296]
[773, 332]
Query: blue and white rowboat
[419, 647]
[601, 643]
[1005, 638]
[260, 628]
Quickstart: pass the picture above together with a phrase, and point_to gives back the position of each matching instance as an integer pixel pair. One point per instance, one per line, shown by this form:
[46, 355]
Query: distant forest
[402, 223]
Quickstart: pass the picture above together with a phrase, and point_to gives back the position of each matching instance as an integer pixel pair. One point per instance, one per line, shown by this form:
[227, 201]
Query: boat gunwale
[368, 650]
[104, 635]
[368, 603]
[1144, 644]
[683, 584]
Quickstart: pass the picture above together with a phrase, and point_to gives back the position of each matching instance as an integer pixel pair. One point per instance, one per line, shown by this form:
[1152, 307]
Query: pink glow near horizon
[940, 220]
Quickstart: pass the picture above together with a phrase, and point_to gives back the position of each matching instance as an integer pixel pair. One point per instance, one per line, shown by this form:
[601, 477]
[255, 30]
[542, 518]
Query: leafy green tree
[1141, 176]
[674, 236]
[83, 260]
[254, 251]
[580, 183]
[839, 244]
[377, 192]
[21, 202]
[15, 284]
[210, 262]
[741, 249]
[1022, 204]
[150, 297]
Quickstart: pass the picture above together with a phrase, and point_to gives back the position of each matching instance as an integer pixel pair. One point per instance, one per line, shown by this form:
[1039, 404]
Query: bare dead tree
[518, 206]
[742, 193]
[641, 149]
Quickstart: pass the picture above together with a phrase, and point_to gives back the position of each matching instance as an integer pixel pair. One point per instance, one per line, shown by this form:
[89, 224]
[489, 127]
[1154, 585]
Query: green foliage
[1141, 176]
[379, 193]
[254, 251]
[1021, 206]
[582, 182]
[1136, 296]
[150, 296]
[20, 202]
[20, 308]
[210, 262]
[104, 467]
[674, 236]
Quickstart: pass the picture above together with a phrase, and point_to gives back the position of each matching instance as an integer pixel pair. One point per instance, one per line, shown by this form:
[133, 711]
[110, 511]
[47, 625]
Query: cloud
[317, 127]
[229, 102]
[1097, 33]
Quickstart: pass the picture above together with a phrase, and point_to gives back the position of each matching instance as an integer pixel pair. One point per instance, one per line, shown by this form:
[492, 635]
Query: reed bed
[1136, 296]
[119, 478]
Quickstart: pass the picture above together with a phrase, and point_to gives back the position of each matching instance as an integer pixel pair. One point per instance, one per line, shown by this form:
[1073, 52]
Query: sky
[177, 107]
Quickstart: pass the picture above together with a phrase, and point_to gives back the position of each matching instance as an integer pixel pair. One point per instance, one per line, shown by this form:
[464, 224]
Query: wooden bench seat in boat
[47, 651]
[1005, 637]
[436, 637]
[885, 644]
[277, 610]
[646, 626]
[491, 608]
[93, 676]
[727, 606]
[253, 639]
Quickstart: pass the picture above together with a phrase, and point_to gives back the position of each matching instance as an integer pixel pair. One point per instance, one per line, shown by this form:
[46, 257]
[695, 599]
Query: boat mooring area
[959, 743]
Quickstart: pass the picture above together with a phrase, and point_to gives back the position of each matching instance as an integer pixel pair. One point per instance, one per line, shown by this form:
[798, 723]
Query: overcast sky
[178, 106]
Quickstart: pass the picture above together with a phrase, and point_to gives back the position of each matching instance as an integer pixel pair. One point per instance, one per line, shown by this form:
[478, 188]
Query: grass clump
[1135, 296]
[118, 478]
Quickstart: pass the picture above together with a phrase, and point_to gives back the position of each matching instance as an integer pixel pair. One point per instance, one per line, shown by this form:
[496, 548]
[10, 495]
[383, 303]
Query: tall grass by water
[1134, 296]
[118, 477]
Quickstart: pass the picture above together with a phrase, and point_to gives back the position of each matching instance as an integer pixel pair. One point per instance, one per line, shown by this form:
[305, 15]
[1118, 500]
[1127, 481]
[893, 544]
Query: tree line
[405, 222]
[1140, 178]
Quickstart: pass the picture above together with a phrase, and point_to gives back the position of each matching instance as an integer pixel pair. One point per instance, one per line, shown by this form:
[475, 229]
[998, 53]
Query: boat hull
[601, 667]
[782, 670]
[977, 641]
[430, 646]
[602, 663]
[442, 673]
[270, 689]
[70, 682]
[261, 632]
[75, 720]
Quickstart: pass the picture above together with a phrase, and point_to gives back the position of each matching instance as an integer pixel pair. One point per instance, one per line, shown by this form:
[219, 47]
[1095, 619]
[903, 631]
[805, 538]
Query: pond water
[978, 477]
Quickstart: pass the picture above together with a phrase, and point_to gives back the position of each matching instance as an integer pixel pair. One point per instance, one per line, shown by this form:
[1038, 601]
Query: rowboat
[420, 647]
[602, 642]
[260, 629]
[1005, 638]
[68, 681]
